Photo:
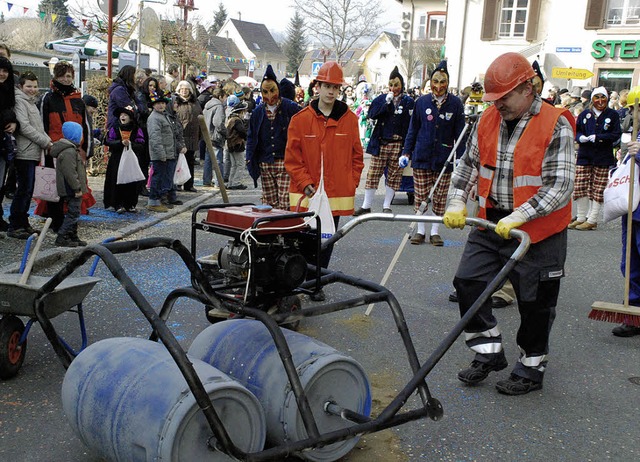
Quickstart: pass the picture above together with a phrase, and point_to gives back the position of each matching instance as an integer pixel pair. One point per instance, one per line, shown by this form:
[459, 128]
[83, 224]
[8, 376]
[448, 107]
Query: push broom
[615, 312]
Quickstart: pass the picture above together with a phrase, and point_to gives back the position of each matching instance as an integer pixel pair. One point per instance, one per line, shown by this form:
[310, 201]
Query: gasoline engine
[268, 249]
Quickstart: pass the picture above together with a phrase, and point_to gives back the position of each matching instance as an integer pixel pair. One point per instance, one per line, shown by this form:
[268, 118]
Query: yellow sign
[570, 73]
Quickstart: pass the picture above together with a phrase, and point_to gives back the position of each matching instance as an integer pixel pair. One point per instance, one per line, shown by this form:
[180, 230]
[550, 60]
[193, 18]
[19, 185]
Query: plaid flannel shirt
[558, 168]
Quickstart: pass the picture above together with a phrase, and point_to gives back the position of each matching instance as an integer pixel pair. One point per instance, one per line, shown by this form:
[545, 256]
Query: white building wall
[562, 42]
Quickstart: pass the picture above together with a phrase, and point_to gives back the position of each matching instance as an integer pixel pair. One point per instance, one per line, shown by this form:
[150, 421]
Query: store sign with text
[623, 49]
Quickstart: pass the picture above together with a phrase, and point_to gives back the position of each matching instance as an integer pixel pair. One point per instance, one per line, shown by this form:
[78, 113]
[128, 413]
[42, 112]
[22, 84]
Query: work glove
[583, 139]
[455, 215]
[592, 138]
[512, 221]
[389, 98]
[403, 161]
[309, 190]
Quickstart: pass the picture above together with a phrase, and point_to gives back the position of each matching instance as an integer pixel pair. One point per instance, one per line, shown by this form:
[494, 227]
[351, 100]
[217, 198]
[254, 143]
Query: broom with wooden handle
[615, 312]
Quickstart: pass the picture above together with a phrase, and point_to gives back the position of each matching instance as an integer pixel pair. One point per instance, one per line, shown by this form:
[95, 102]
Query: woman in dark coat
[8, 124]
[187, 109]
[122, 93]
[122, 197]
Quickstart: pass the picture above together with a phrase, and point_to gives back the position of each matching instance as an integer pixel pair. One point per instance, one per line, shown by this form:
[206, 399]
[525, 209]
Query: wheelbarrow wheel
[290, 304]
[11, 352]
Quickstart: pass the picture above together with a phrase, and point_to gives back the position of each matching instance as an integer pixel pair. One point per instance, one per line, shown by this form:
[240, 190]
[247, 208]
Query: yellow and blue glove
[456, 214]
[512, 221]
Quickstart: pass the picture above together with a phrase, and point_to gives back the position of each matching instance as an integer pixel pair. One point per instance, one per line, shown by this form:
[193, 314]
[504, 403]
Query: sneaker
[417, 239]
[65, 241]
[157, 208]
[19, 234]
[121, 210]
[623, 330]
[478, 371]
[516, 385]
[361, 211]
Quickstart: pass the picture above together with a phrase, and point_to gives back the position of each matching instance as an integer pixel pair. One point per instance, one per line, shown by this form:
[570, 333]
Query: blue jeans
[25, 177]
[207, 169]
[156, 190]
[169, 187]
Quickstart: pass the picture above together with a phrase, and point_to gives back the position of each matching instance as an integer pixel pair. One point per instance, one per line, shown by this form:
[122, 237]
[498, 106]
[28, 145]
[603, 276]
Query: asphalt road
[588, 409]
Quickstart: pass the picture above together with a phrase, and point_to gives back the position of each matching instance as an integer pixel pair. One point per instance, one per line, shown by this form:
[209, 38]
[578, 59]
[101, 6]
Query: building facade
[578, 43]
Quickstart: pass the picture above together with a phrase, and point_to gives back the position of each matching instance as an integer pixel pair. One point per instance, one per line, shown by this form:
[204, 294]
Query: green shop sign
[624, 49]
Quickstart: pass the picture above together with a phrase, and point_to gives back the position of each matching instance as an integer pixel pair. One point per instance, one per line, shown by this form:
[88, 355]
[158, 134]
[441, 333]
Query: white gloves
[592, 138]
[389, 97]
[583, 139]
[403, 161]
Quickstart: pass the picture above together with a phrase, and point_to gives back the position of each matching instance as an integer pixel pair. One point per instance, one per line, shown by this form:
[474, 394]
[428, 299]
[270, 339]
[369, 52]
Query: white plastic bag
[319, 203]
[129, 169]
[182, 174]
[616, 194]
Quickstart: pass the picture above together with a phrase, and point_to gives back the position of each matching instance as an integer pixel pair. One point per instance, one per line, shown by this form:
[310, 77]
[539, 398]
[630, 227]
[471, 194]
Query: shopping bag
[44, 185]
[319, 203]
[616, 194]
[129, 170]
[182, 174]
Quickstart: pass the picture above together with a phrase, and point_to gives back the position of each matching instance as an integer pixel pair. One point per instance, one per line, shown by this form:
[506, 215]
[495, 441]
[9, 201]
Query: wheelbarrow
[18, 295]
[215, 438]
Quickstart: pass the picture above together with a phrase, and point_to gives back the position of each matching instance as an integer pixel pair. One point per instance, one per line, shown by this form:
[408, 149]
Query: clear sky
[275, 14]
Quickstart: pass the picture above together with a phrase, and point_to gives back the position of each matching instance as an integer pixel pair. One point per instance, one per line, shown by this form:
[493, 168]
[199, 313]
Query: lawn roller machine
[282, 369]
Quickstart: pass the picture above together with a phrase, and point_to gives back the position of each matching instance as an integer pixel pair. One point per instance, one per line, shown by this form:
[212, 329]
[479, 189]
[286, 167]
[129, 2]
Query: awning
[88, 45]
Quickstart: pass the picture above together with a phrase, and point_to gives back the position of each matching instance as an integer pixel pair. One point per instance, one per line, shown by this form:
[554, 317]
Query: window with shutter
[513, 18]
[623, 13]
[490, 20]
[594, 18]
[533, 19]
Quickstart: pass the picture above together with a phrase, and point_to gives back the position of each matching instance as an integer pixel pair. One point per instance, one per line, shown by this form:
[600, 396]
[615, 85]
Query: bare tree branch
[339, 24]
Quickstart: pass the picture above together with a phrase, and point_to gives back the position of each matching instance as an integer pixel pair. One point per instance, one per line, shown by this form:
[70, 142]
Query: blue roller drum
[244, 350]
[128, 401]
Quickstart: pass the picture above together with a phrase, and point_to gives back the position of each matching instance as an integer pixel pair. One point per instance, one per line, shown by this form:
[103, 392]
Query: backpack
[235, 140]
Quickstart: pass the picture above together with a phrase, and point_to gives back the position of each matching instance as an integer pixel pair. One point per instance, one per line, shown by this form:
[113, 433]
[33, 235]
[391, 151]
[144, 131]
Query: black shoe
[4, 226]
[516, 385]
[453, 297]
[478, 371]
[193, 190]
[19, 234]
[10, 194]
[144, 192]
[623, 330]
[318, 296]
[497, 302]
[361, 211]
[176, 202]
[65, 241]
[79, 241]
[31, 230]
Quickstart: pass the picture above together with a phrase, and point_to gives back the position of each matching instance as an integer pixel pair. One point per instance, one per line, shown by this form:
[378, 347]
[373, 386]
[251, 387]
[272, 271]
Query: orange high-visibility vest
[527, 166]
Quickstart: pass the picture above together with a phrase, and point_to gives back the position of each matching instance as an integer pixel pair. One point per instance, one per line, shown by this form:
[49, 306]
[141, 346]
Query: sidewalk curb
[52, 256]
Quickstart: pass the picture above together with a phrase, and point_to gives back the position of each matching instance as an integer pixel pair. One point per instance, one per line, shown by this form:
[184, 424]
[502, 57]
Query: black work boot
[478, 371]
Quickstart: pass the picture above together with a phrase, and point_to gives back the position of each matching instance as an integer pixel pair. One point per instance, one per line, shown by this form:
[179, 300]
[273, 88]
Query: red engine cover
[243, 217]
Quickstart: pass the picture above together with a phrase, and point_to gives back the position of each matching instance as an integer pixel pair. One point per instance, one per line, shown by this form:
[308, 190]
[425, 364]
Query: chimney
[239, 16]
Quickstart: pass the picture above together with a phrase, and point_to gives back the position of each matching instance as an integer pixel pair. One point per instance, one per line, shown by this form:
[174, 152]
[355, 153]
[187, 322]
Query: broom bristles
[613, 312]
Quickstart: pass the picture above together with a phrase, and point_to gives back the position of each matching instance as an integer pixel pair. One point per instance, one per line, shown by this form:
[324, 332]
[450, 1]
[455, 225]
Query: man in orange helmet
[324, 136]
[520, 156]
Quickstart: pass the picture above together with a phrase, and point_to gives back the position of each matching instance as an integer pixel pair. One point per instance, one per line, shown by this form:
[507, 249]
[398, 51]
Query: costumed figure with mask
[597, 131]
[392, 114]
[436, 123]
[267, 140]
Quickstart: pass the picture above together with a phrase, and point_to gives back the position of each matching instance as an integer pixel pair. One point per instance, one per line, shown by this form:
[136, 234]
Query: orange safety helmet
[504, 74]
[331, 72]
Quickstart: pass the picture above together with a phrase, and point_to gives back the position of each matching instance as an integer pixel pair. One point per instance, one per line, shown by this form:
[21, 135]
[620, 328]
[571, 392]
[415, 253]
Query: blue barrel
[244, 349]
[128, 401]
